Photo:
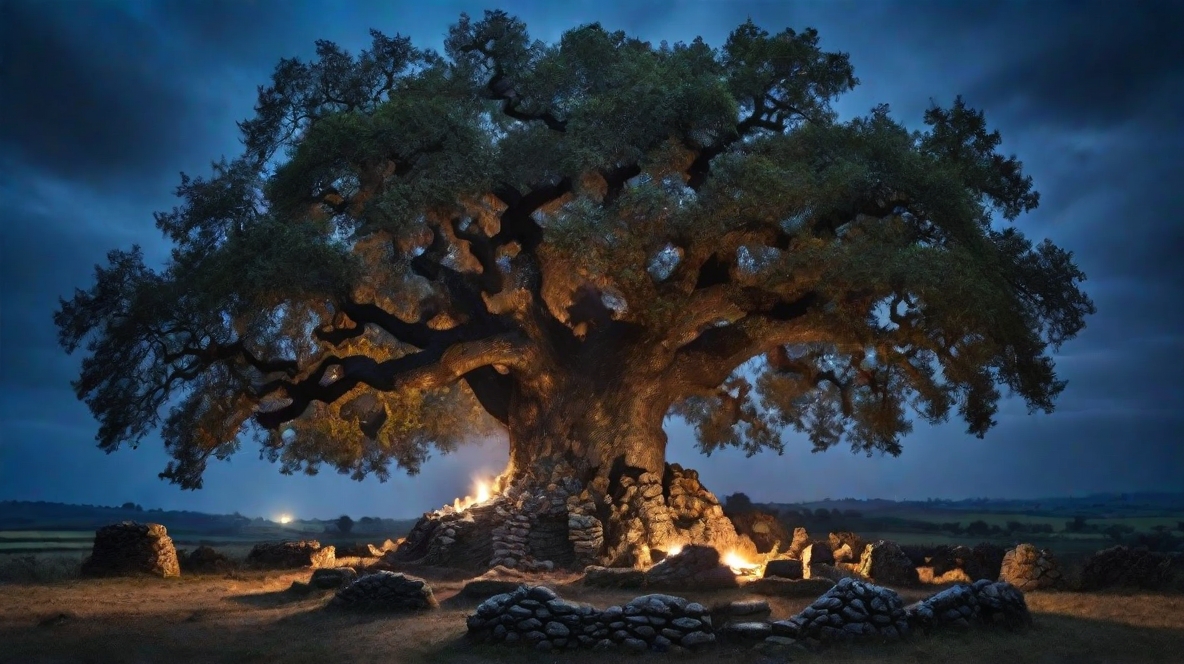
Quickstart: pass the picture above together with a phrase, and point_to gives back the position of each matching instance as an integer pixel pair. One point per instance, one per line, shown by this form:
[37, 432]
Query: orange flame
[484, 492]
[739, 565]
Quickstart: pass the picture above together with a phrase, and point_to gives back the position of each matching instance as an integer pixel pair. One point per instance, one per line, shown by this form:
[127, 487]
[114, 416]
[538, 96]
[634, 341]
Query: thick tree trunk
[587, 483]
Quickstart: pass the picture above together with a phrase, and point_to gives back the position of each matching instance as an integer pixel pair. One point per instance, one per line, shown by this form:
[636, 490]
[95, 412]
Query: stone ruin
[130, 548]
[1029, 568]
[291, 554]
[547, 519]
[850, 611]
[884, 562]
[765, 530]
[1120, 566]
[956, 564]
[384, 592]
[205, 560]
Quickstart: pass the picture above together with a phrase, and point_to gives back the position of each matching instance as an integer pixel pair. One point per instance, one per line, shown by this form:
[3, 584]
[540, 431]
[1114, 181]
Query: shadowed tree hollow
[572, 241]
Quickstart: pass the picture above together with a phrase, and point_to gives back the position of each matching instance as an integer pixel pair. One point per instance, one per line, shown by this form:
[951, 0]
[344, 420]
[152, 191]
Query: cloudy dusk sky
[104, 103]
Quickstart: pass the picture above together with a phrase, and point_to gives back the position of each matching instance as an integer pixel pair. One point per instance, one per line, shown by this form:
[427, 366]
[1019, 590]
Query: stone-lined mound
[884, 562]
[1120, 566]
[290, 554]
[1029, 568]
[983, 601]
[537, 617]
[695, 566]
[130, 548]
[206, 560]
[848, 611]
[385, 591]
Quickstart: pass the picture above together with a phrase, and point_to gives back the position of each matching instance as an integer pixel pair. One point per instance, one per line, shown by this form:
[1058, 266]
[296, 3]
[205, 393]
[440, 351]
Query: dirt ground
[250, 617]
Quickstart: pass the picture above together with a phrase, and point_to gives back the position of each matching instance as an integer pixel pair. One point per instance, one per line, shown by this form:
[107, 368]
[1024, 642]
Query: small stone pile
[695, 566]
[848, 611]
[131, 548]
[291, 554]
[385, 591]
[1029, 568]
[1120, 566]
[983, 601]
[884, 562]
[205, 560]
[537, 617]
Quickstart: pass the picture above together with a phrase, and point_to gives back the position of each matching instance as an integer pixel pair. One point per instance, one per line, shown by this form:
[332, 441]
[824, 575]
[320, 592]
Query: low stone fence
[852, 610]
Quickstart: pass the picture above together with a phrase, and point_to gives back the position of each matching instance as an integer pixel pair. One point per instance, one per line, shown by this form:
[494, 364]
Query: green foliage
[344, 291]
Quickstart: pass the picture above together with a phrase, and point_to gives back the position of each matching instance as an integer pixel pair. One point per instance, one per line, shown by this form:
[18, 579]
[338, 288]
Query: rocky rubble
[130, 548]
[537, 617]
[291, 554]
[966, 604]
[1120, 566]
[884, 562]
[765, 531]
[1029, 568]
[385, 591]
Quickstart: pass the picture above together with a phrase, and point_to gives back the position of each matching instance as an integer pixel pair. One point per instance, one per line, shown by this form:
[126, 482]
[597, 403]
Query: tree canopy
[410, 240]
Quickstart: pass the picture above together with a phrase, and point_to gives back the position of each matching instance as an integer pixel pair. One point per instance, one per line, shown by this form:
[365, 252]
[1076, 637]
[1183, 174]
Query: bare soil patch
[251, 617]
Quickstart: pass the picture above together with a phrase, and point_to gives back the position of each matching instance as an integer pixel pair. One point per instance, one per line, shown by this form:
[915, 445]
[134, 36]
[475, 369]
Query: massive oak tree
[573, 241]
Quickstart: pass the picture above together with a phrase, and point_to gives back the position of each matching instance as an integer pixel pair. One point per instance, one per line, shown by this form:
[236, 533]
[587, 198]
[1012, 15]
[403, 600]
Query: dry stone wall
[537, 617]
[884, 562]
[1121, 566]
[966, 604]
[131, 548]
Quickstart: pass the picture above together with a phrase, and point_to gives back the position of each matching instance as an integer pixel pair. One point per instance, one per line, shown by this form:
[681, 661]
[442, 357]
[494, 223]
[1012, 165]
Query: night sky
[104, 103]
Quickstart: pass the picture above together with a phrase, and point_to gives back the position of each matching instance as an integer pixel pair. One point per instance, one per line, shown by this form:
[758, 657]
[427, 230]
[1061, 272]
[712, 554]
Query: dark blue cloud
[104, 103]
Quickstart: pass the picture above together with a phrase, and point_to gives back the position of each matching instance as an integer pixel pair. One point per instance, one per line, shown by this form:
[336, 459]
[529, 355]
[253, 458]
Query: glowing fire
[484, 492]
[674, 550]
[285, 518]
[739, 565]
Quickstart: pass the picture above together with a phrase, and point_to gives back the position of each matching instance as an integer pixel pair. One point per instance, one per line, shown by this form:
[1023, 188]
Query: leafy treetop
[411, 239]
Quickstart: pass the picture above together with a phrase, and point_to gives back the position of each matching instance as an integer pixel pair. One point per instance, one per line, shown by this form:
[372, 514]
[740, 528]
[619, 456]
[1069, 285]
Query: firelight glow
[739, 565]
[285, 518]
[483, 492]
[674, 550]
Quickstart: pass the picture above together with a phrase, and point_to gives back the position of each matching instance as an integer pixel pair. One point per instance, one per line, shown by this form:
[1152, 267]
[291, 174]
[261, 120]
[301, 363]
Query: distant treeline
[1158, 538]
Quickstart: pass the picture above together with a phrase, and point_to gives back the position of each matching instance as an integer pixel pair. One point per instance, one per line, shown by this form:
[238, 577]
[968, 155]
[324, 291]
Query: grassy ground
[249, 617]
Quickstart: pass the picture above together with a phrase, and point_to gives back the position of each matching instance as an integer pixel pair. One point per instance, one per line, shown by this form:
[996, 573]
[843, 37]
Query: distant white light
[285, 518]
